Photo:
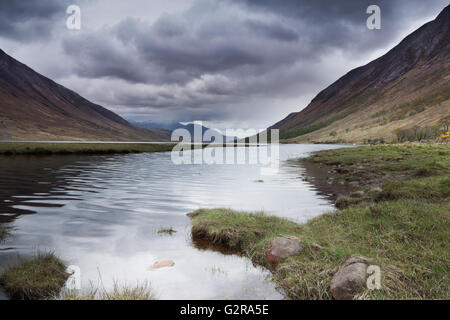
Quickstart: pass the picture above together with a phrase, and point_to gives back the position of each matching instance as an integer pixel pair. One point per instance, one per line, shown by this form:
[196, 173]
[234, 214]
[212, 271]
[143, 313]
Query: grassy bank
[400, 171]
[399, 218]
[35, 148]
[39, 278]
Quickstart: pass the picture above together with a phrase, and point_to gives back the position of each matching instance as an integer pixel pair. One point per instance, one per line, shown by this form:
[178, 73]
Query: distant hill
[191, 128]
[33, 107]
[409, 87]
[167, 133]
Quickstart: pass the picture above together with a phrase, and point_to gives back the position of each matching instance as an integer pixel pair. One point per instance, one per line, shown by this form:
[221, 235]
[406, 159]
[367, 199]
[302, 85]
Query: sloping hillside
[33, 107]
[165, 134]
[409, 87]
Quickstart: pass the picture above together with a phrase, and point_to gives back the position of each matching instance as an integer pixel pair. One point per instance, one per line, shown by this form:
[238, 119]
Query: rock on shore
[282, 247]
[350, 278]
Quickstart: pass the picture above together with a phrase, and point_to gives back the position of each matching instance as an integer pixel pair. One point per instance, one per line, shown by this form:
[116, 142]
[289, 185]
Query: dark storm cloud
[179, 52]
[180, 49]
[342, 23]
[221, 60]
[30, 19]
[100, 55]
[328, 12]
[273, 30]
[212, 38]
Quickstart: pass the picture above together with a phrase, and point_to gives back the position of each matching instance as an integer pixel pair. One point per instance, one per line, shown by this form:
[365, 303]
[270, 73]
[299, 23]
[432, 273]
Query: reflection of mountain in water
[27, 179]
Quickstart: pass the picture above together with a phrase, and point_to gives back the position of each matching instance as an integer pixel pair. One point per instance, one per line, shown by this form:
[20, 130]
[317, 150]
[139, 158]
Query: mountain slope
[165, 134]
[33, 107]
[409, 86]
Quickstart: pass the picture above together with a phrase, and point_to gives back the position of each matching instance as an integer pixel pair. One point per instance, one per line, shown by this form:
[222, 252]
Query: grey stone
[282, 247]
[350, 278]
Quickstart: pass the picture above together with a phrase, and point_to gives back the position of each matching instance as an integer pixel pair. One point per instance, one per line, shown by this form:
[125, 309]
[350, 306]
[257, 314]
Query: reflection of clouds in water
[240, 280]
[110, 208]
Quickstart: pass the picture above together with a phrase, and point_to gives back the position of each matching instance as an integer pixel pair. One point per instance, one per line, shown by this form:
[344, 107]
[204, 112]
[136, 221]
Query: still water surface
[102, 213]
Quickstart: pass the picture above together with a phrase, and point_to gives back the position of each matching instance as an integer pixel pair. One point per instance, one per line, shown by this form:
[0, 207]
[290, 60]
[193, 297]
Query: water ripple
[103, 213]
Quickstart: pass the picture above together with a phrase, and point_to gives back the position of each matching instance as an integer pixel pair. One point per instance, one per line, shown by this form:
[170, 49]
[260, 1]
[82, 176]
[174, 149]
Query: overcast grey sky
[232, 63]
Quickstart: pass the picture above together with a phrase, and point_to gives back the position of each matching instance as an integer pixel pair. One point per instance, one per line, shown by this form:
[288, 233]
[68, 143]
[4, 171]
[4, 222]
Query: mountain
[165, 134]
[191, 127]
[408, 87]
[33, 107]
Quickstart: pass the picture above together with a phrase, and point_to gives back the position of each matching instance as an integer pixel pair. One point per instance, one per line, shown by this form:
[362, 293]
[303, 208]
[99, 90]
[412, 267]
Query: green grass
[39, 278]
[34, 148]
[118, 292]
[433, 189]
[389, 157]
[371, 164]
[404, 228]
[236, 230]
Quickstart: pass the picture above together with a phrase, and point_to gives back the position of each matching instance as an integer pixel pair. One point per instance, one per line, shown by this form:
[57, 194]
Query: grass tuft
[139, 292]
[236, 230]
[39, 278]
[169, 231]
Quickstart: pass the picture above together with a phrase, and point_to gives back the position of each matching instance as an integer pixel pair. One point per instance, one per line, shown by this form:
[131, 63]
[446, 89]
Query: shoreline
[396, 217]
[42, 148]
[77, 148]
